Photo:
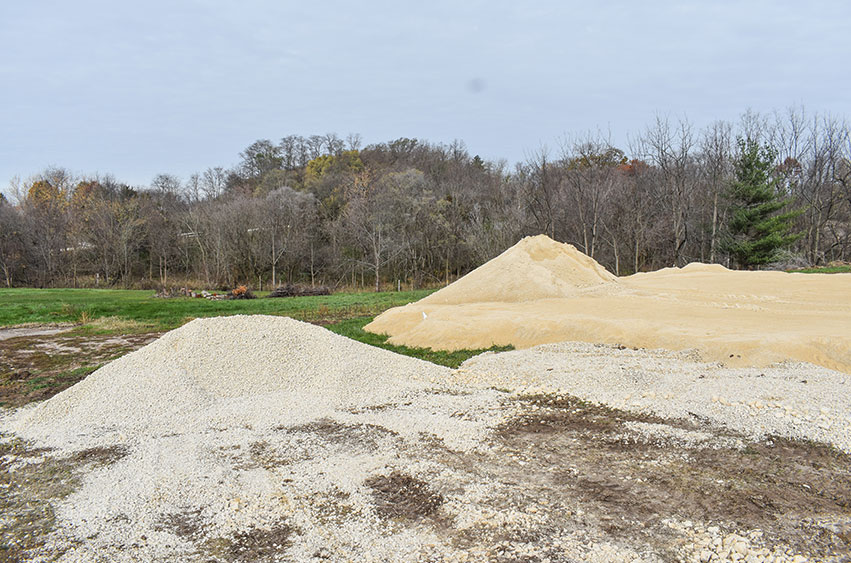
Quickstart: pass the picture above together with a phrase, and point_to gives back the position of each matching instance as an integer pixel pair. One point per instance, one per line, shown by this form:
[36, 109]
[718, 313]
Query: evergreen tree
[757, 231]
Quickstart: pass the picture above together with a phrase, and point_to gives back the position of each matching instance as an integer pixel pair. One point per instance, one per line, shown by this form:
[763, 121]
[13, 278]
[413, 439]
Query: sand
[532, 269]
[541, 291]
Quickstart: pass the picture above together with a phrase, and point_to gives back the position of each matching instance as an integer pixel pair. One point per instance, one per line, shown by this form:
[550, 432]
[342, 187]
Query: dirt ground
[37, 363]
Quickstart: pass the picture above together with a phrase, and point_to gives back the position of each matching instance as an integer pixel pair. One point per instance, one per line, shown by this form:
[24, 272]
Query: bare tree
[715, 167]
[45, 208]
[259, 158]
[371, 220]
[590, 177]
[213, 182]
[541, 190]
[670, 149]
[12, 247]
[290, 220]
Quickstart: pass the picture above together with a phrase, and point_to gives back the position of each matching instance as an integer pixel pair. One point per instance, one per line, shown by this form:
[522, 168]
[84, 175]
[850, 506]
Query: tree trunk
[617, 257]
[312, 271]
[816, 238]
[712, 240]
[635, 257]
[274, 262]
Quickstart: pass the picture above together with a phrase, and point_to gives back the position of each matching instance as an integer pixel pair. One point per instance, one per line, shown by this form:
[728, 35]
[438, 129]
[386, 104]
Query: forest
[408, 213]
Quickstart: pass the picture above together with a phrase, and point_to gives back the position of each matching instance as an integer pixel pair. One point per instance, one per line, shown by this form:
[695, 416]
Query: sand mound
[738, 318]
[534, 268]
[700, 267]
[226, 370]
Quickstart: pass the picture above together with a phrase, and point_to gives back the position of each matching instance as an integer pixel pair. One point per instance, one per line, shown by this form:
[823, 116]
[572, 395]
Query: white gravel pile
[225, 372]
[244, 423]
[792, 399]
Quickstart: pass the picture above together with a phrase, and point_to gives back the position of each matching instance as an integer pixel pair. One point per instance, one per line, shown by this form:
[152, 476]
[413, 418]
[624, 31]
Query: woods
[323, 210]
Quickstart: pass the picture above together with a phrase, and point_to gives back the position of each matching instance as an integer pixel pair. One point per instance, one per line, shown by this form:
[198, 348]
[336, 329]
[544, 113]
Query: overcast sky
[135, 89]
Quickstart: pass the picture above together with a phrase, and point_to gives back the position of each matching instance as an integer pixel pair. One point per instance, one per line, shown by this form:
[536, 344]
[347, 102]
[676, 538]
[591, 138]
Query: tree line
[327, 210]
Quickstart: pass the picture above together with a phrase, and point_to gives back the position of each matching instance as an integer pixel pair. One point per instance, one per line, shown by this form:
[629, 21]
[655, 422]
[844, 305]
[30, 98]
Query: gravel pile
[256, 371]
[263, 438]
[239, 435]
[792, 399]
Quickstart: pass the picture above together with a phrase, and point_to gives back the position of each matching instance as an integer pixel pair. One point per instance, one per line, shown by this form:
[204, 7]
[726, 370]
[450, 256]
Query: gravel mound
[264, 438]
[226, 371]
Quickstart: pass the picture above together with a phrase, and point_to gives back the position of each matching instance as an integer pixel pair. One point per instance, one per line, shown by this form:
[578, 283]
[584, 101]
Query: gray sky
[140, 88]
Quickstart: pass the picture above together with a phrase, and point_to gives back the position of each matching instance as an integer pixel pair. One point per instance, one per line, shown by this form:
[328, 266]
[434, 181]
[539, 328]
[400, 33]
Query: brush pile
[297, 290]
[241, 292]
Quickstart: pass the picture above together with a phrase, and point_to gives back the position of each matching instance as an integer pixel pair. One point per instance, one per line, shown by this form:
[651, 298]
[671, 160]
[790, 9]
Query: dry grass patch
[400, 496]
[254, 544]
[113, 325]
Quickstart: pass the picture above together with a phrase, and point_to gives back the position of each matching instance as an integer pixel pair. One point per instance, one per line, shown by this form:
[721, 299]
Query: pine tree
[757, 231]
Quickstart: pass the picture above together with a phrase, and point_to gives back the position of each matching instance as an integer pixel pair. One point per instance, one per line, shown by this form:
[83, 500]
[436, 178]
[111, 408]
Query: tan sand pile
[534, 268]
[738, 318]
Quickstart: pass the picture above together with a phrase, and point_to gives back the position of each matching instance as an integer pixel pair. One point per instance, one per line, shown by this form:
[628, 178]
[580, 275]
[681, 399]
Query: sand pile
[534, 268]
[227, 371]
[737, 318]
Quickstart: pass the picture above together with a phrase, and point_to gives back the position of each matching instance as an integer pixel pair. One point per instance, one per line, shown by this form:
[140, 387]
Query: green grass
[353, 328]
[824, 270]
[44, 306]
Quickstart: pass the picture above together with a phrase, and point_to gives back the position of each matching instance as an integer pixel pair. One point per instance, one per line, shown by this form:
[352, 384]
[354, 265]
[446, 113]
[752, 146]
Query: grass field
[825, 270]
[46, 306]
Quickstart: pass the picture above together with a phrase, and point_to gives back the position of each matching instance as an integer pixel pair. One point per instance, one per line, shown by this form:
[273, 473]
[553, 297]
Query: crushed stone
[236, 431]
[791, 399]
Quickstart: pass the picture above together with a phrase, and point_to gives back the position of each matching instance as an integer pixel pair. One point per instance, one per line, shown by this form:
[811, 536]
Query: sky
[135, 89]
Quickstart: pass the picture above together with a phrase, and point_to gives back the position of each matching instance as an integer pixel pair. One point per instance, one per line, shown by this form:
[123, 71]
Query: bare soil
[38, 365]
[31, 480]
[574, 454]
[401, 496]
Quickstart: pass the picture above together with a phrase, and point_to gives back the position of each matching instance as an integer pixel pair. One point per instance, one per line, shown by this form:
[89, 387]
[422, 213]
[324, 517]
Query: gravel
[254, 371]
[245, 422]
[790, 399]
[246, 434]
